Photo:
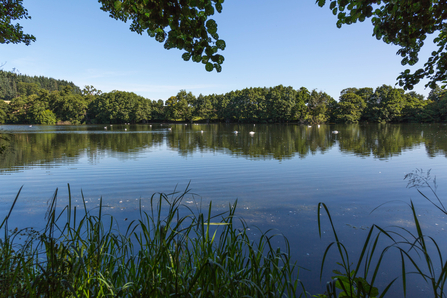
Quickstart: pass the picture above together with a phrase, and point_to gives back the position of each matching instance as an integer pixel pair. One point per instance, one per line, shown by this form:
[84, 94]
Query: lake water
[278, 174]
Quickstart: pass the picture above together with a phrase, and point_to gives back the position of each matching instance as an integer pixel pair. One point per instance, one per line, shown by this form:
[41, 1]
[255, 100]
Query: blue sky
[269, 42]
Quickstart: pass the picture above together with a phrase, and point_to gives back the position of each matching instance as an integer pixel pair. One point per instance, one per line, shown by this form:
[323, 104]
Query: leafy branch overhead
[182, 24]
[405, 23]
[11, 10]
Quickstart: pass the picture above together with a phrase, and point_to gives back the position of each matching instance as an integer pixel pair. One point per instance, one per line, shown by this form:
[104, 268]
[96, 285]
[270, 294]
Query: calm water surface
[279, 174]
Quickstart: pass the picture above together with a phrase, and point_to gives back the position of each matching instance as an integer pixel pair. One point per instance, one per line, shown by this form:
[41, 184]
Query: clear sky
[269, 42]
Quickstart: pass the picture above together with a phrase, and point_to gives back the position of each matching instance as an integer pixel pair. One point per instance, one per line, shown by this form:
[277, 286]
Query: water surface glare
[278, 174]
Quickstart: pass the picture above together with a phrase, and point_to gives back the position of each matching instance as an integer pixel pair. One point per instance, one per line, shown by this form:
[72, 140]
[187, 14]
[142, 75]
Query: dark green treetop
[405, 23]
[11, 10]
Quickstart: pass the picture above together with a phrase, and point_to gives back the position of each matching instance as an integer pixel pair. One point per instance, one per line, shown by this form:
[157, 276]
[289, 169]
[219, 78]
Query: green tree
[90, 90]
[11, 10]
[3, 111]
[18, 110]
[437, 94]
[405, 24]
[119, 107]
[27, 88]
[45, 117]
[181, 106]
[300, 110]
[436, 108]
[350, 107]
[66, 105]
[281, 104]
[157, 112]
[318, 106]
[415, 109]
[203, 107]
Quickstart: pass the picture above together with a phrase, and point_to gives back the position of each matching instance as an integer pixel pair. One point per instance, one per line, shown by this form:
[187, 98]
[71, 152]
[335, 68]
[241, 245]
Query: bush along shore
[175, 251]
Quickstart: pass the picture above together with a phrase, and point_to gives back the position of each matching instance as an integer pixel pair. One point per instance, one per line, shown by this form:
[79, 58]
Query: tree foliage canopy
[188, 26]
[11, 10]
[182, 24]
[405, 23]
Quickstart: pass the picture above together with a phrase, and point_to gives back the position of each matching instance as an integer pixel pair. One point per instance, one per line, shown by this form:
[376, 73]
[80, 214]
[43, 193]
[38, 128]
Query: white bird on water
[252, 132]
[335, 132]
[105, 127]
[318, 125]
[236, 132]
[125, 129]
[309, 126]
[169, 128]
[201, 131]
[30, 126]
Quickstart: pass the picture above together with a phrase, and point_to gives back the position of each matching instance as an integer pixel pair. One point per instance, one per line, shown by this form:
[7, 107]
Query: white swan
[236, 132]
[252, 132]
[335, 132]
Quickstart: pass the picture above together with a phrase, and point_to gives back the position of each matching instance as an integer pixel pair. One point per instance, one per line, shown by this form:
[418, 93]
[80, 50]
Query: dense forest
[40, 100]
[13, 84]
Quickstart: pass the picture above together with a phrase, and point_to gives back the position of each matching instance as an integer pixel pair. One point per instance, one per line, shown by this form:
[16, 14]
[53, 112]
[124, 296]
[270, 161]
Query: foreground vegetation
[170, 250]
[173, 250]
[47, 101]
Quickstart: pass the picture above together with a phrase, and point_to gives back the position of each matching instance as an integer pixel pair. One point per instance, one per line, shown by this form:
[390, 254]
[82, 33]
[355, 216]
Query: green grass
[170, 251]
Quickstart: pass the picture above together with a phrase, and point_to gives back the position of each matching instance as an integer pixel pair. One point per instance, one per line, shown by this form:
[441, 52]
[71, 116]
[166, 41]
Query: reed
[420, 254]
[171, 250]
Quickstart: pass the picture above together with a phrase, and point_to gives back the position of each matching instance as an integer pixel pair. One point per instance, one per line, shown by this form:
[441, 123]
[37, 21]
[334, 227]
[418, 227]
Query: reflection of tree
[268, 142]
[48, 148]
[435, 139]
[380, 140]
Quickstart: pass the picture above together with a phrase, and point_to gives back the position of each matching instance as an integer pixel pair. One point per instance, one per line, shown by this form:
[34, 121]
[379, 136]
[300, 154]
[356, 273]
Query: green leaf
[196, 58]
[209, 66]
[117, 5]
[221, 44]
[218, 7]
[211, 25]
[209, 10]
[332, 5]
[321, 2]
[186, 56]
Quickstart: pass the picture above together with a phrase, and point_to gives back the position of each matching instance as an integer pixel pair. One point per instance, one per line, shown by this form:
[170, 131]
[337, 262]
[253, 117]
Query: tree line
[278, 104]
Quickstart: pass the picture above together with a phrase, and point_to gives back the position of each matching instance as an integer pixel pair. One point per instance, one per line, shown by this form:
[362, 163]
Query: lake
[278, 175]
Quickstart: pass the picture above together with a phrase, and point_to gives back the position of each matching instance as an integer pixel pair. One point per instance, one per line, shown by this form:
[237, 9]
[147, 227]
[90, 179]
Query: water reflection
[46, 145]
